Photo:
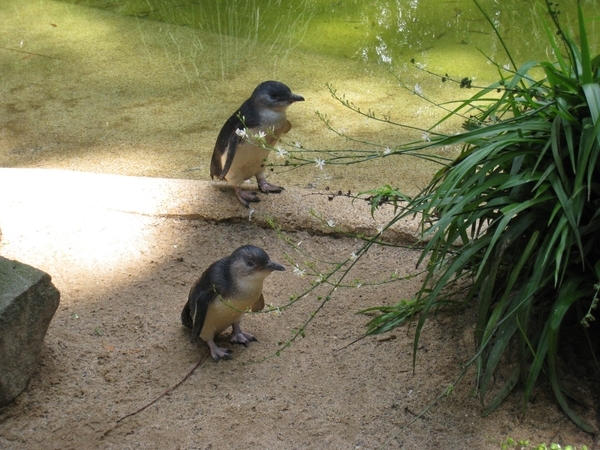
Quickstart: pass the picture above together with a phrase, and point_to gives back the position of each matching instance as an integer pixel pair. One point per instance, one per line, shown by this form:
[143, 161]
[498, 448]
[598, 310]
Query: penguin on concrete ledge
[240, 152]
[223, 293]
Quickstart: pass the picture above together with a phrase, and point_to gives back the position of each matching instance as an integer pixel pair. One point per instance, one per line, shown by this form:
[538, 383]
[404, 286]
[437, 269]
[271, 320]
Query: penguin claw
[222, 353]
[245, 197]
[243, 338]
[269, 188]
[218, 353]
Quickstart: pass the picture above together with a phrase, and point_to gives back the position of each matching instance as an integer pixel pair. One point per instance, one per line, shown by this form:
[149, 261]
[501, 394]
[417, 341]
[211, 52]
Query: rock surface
[28, 301]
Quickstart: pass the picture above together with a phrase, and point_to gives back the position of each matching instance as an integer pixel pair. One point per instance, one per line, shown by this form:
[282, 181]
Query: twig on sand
[168, 391]
[28, 53]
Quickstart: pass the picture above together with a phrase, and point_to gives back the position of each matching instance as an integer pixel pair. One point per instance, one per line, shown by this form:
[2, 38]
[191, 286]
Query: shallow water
[382, 31]
[143, 87]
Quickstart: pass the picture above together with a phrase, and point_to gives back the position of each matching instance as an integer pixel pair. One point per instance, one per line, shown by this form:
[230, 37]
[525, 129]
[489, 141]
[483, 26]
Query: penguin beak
[272, 266]
[296, 98]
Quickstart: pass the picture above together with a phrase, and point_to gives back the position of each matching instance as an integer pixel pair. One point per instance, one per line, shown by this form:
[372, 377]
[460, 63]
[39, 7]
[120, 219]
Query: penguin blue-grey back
[240, 152]
[223, 293]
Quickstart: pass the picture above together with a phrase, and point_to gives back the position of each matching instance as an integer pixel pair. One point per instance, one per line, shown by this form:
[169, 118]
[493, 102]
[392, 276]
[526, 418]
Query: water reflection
[376, 31]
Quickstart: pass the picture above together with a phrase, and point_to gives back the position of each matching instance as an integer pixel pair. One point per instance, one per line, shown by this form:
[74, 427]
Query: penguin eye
[250, 263]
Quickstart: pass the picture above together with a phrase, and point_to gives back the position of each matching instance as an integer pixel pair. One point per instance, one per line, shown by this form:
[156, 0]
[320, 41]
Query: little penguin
[223, 293]
[237, 157]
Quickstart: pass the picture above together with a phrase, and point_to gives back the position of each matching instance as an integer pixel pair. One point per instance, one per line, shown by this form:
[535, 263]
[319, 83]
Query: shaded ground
[116, 341]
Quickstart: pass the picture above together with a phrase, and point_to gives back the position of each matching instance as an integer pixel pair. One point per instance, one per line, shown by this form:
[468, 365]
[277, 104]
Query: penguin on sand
[240, 152]
[223, 293]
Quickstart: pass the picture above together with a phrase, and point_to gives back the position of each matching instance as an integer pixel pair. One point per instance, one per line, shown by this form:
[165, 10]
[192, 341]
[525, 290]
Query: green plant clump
[517, 216]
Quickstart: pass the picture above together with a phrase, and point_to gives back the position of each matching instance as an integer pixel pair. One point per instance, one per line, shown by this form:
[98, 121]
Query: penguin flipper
[186, 317]
[233, 142]
[259, 304]
[224, 145]
[196, 309]
[287, 127]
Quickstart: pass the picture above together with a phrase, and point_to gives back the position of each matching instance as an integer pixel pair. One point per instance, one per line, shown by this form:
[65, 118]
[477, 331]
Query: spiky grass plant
[517, 217]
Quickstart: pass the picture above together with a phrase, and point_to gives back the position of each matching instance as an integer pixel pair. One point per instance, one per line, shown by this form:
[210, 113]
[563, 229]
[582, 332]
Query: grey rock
[28, 301]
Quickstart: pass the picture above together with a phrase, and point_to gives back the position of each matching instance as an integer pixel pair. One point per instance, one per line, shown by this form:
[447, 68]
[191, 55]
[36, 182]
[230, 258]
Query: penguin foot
[218, 353]
[269, 188]
[245, 197]
[242, 338]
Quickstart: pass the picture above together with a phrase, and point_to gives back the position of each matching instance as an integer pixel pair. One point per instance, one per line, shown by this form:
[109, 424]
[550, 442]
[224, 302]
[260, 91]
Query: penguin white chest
[248, 161]
[224, 312]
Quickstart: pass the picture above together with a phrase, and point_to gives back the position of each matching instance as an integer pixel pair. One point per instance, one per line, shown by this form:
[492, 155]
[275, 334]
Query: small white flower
[241, 132]
[276, 310]
[506, 66]
[320, 163]
[297, 144]
[426, 136]
[353, 256]
[387, 151]
[418, 89]
[359, 284]
[380, 229]
[281, 152]
[331, 223]
[260, 135]
[299, 272]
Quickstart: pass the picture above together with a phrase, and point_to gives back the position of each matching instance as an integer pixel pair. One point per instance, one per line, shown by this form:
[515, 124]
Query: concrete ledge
[294, 209]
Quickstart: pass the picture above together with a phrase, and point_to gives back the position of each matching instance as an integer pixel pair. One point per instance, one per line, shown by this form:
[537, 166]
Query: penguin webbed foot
[245, 197]
[269, 188]
[241, 337]
[218, 353]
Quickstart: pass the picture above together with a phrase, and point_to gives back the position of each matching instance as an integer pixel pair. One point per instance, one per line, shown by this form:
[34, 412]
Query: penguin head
[253, 263]
[274, 95]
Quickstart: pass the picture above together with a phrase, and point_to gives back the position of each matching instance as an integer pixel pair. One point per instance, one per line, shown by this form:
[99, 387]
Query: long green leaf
[592, 96]
[586, 75]
[567, 295]
[506, 389]
[539, 358]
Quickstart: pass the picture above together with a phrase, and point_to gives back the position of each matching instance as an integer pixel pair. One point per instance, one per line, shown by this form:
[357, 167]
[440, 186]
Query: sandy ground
[116, 341]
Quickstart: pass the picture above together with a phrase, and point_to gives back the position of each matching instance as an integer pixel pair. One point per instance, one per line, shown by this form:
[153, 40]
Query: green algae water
[142, 87]
[380, 31]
